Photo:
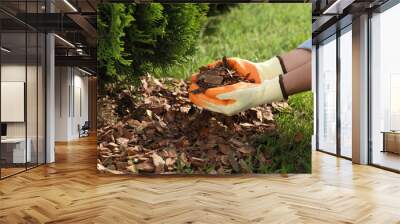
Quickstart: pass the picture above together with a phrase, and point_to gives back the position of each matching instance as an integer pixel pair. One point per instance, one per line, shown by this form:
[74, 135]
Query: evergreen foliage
[136, 38]
[111, 55]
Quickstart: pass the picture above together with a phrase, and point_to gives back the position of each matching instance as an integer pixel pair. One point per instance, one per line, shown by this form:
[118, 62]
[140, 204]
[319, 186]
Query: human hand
[238, 97]
[258, 72]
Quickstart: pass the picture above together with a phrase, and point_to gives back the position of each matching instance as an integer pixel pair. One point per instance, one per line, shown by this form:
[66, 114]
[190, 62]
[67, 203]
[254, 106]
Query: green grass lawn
[290, 147]
[255, 32]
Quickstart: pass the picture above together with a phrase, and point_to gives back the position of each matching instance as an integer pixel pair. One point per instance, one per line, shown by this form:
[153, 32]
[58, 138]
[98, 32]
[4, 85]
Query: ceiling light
[70, 5]
[80, 51]
[84, 71]
[338, 6]
[65, 41]
[5, 50]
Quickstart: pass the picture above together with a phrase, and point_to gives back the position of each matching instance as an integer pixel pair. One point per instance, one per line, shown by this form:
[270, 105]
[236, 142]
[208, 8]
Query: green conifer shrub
[136, 38]
[112, 20]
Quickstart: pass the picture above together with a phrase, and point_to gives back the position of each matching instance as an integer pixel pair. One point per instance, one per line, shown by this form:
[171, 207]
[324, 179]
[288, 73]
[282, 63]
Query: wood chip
[233, 162]
[246, 149]
[213, 79]
[147, 167]
[220, 75]
[198, 162]
[224, 148]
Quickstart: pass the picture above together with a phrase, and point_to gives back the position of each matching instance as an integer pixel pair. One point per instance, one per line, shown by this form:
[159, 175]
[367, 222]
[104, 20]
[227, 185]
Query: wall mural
[204, 88]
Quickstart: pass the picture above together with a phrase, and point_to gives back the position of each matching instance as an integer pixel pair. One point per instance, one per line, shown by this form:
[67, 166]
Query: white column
[50, 100]
[50, 92]
[360, 90]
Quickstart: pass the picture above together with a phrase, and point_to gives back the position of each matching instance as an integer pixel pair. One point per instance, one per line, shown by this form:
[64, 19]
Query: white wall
[80, 110]
[62, 81]
[14, 72]
[71, 102]
[34, 125]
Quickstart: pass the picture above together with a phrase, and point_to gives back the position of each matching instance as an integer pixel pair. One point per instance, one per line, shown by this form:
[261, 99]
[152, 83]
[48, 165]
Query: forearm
[294, 59]
[297, 80]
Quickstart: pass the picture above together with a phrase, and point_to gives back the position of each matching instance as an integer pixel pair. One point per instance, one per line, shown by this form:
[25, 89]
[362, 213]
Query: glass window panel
[385, 88]
[346, 94]
[327, 96]
[32, 97]
[41, 99]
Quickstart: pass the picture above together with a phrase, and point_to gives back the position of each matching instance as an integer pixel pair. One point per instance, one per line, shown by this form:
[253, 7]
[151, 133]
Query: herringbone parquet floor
[71, 191]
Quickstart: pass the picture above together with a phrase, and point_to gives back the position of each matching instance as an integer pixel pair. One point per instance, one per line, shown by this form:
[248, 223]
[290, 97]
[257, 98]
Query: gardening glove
[238, 97]
[255, 71]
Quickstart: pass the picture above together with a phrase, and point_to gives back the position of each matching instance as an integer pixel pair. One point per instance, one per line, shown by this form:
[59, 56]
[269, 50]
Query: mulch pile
[220, 75]
[162, 132]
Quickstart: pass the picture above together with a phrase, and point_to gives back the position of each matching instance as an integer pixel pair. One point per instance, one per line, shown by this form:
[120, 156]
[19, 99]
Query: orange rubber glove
[258, 71]
[241, 96]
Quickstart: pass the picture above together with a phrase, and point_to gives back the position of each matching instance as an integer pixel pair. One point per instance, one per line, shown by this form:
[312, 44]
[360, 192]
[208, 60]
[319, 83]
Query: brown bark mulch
[158, 130]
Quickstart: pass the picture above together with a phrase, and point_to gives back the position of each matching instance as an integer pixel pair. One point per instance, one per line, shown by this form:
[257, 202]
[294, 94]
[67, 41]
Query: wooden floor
[11, 170]
[71, 191]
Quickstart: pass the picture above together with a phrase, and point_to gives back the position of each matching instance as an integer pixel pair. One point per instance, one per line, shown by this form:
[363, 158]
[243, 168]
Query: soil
[221, 75]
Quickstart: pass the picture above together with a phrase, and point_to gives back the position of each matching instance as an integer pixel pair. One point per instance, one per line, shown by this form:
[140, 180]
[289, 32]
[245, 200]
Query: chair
[84, 130]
